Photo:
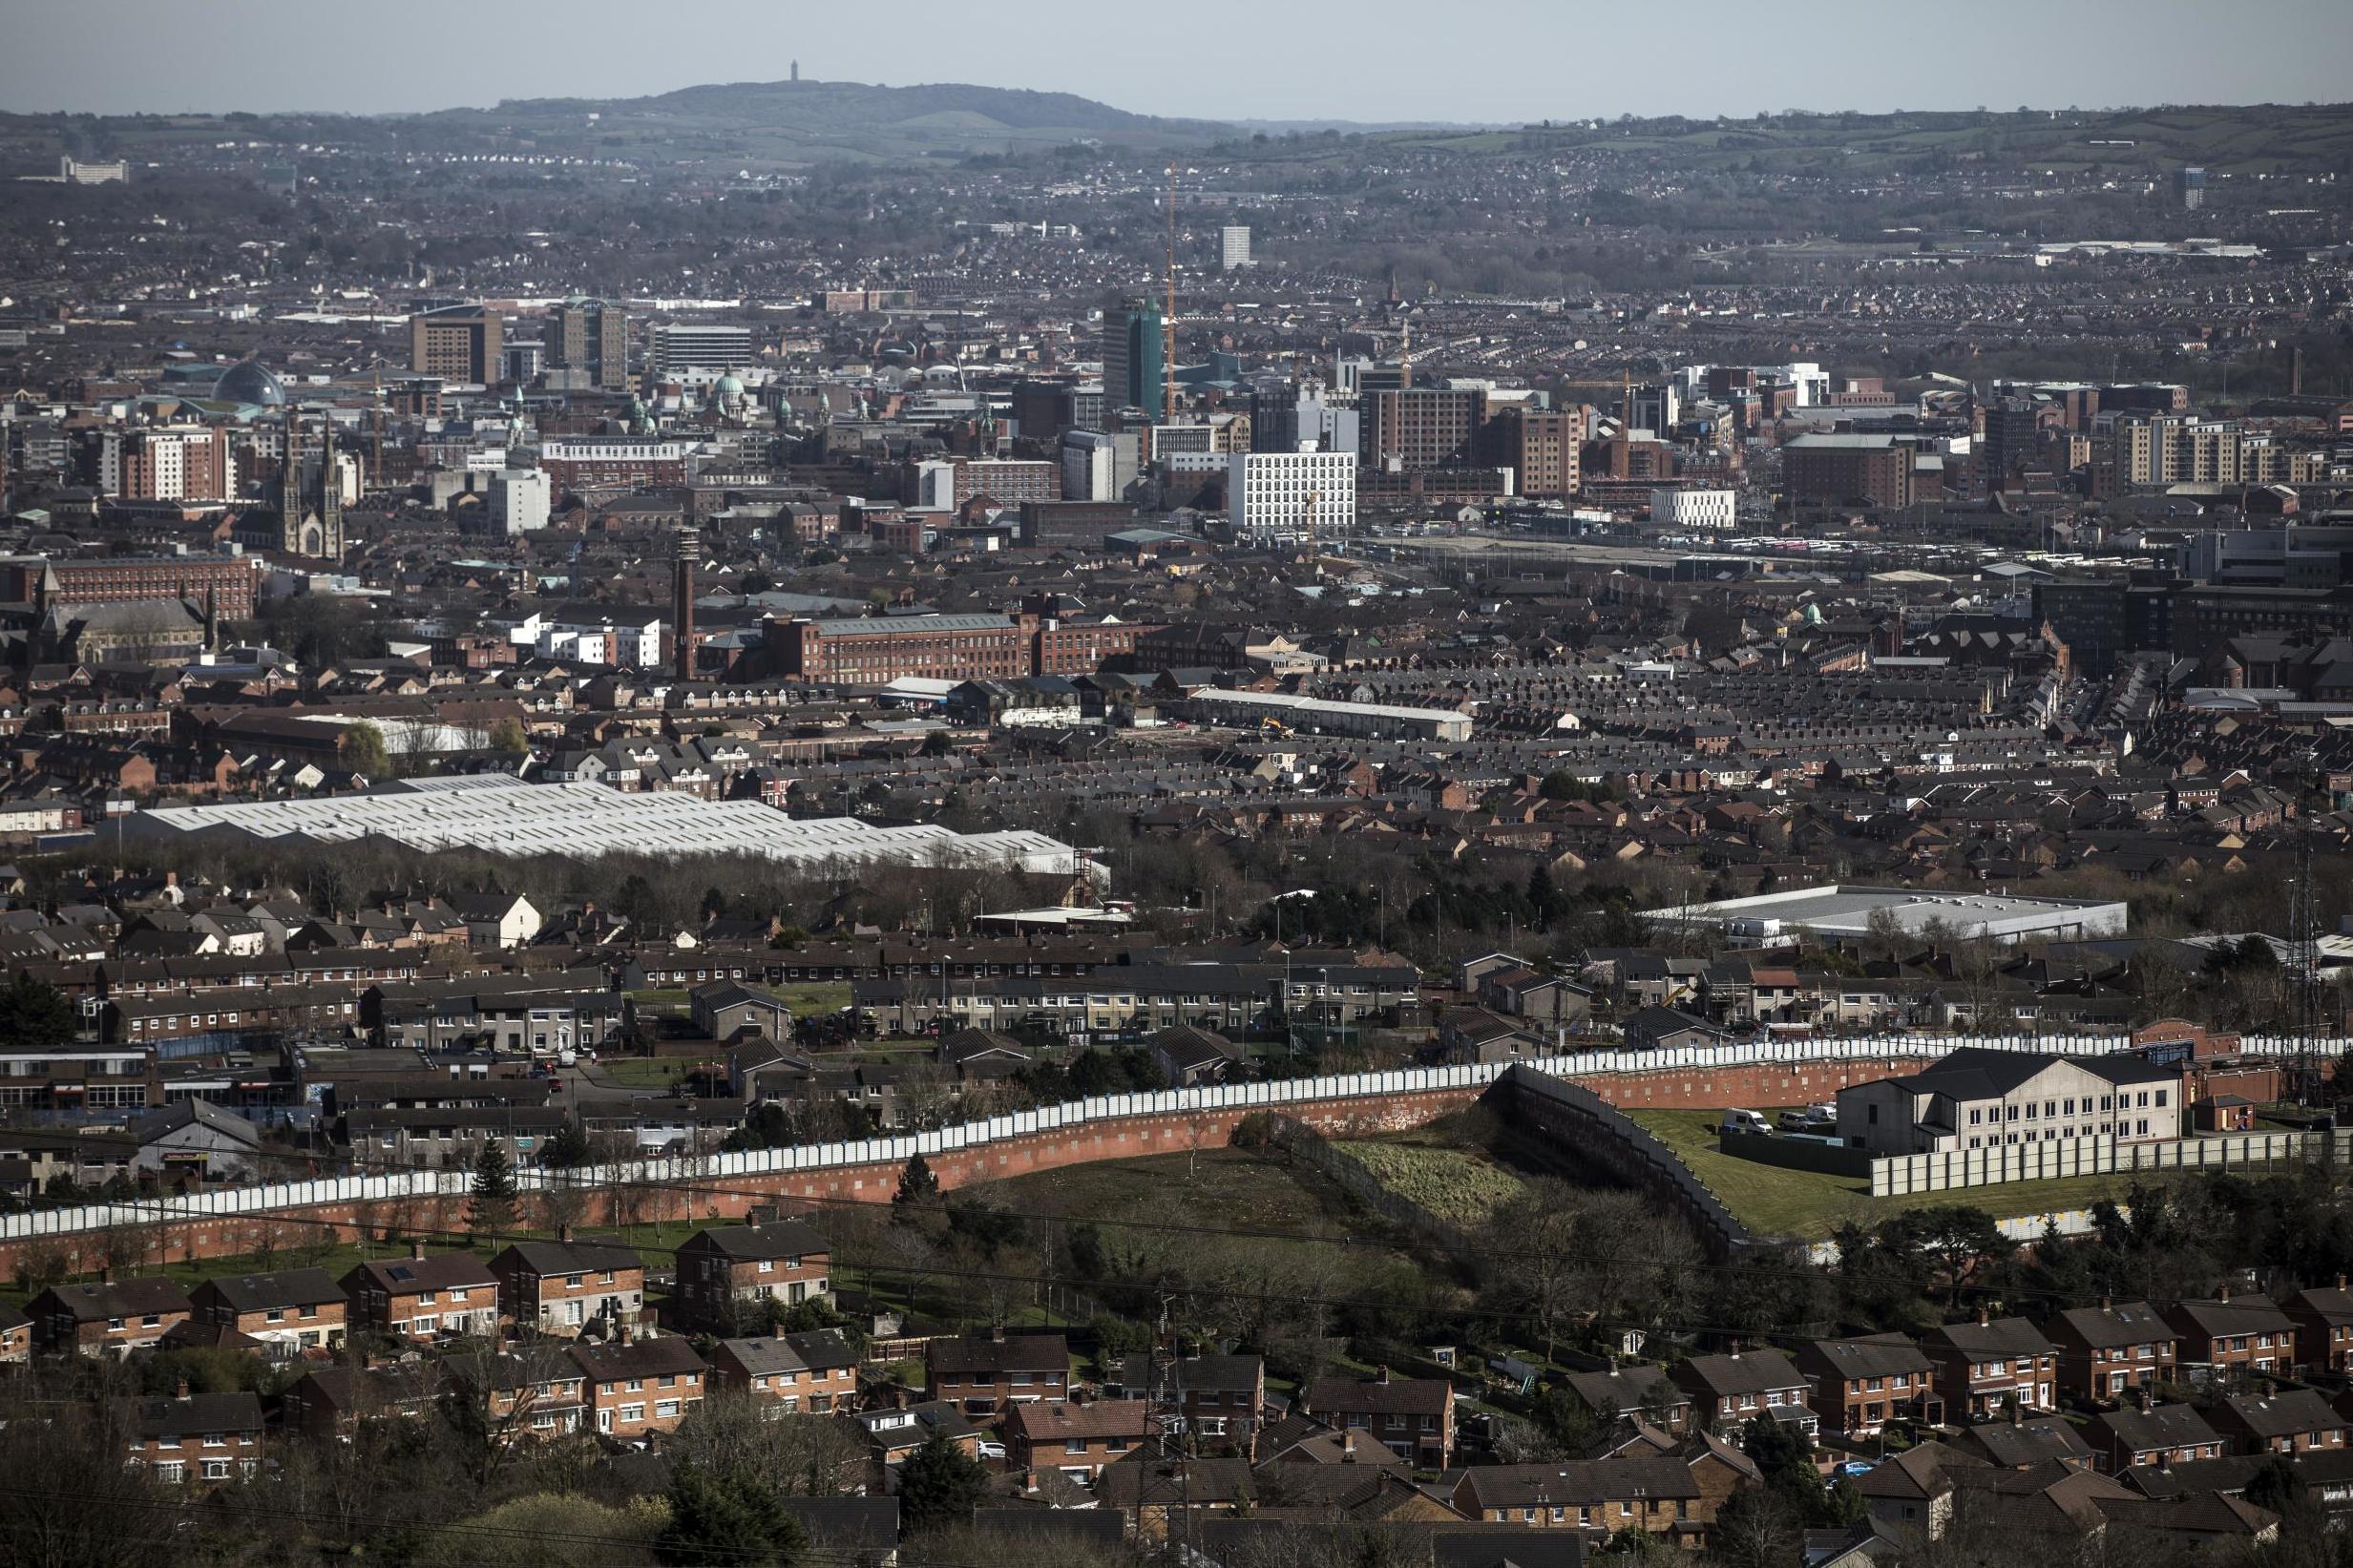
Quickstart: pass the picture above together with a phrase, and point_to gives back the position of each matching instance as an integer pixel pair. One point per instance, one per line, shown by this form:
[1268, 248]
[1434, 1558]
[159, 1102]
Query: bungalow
[1668, 1028]
[1189, 1056]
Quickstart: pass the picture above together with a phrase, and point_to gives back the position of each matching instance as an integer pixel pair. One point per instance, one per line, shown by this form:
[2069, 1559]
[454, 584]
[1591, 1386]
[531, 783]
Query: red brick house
[1412, 1417]
[1859, 1385]
[15, 1335]
[2235, 1335]
[1654, 1494]
[1983, 1364]
[2145, 1434]
[1219, 1398]
[107, 1318]
[983, 1375]
[2323, 1320]
[2294, 1421]
[815, 1372]
[1728, 1391]
[423, 1297]
[640, 1385]
[197, 1438]
[290, 1311]
[730, 1276]
[1076, 1439]
[2108, 1350]
[561, 1287]
[332, 1402]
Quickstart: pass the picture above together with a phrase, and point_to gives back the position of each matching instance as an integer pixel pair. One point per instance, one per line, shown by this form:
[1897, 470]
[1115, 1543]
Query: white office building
[679, 347]
[1090, 466]
[1693, 507]
[1280, 497]
[1234, 246]
[519, 501]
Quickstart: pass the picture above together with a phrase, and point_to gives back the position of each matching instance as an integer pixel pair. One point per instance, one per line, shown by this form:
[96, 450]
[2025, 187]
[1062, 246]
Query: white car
[992, 1451]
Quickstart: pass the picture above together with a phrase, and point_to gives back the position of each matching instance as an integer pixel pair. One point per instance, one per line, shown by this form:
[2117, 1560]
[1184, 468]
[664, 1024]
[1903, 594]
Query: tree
[493, 1208]
[916, 1184]
[940, 1485]
[566, 1147]
[506, 735]
[362, 750]
[723, 1516]
[36, 1012]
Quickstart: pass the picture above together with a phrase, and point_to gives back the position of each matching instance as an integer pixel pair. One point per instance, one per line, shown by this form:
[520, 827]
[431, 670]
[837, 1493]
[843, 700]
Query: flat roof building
[493, 812]
[1840, 910]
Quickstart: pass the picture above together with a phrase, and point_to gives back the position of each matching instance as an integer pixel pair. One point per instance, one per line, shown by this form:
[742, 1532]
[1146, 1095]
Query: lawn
[643, 1072]
[1228, 1188]
[1809, 1204]
[830, 997]
[1453, 1184]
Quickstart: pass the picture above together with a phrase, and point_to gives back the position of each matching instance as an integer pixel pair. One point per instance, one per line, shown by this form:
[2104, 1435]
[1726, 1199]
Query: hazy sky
[1220, 59]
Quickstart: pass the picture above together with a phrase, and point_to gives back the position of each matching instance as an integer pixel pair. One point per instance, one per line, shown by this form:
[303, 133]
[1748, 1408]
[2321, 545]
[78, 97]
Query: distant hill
[793, 122]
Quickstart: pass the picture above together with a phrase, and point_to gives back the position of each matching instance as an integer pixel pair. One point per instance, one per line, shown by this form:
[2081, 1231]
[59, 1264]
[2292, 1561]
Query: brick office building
[871, 651]
[614, 463]
[1847, 471]
[228, 581]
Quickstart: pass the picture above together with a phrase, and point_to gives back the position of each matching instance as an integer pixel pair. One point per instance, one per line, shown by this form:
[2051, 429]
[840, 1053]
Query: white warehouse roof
[1847, 910]
[493, 812]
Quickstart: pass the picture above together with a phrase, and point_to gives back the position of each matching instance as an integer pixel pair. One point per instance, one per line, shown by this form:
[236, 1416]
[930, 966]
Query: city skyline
[142, 56]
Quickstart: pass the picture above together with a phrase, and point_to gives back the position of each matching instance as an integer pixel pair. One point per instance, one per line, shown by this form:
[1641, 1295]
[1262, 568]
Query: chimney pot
[416, 1246]
[996, 1333]
[1384, 1377]
[180, 1389]
[563, 1233]
[2223, 1294]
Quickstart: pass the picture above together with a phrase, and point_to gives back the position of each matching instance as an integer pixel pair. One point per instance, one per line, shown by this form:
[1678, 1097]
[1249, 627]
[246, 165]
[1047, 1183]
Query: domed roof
[729, 386]
[250, 381]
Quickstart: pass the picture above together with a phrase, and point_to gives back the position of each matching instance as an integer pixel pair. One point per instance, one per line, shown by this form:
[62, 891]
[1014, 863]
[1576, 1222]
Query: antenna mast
[1168, 322]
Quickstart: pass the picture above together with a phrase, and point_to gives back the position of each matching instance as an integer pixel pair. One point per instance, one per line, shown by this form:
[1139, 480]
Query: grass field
[1809, 1204]
[1451, 1183]
[1230, 1188]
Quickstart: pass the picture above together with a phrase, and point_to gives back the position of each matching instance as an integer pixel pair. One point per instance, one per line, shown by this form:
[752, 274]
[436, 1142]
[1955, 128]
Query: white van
[1743, 1121]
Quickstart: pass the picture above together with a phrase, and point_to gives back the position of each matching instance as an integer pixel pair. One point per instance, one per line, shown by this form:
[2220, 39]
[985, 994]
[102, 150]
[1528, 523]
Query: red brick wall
[1133, 1139]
